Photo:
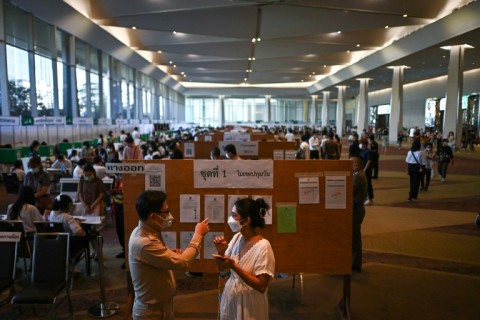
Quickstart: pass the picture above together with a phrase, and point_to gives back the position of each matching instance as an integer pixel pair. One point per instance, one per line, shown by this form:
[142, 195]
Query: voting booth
[309, 224]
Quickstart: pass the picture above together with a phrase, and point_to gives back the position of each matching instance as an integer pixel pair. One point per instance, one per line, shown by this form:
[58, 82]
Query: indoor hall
[420, 260]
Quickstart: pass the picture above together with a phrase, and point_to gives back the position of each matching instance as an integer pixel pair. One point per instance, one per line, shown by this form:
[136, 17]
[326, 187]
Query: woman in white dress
[250, 261]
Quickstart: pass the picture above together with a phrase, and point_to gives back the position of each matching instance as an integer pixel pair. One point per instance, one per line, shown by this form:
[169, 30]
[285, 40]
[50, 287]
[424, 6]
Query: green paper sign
[286, 219]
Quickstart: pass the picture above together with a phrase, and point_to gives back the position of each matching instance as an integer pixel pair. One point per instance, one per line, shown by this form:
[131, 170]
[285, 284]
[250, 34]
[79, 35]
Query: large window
[44, 85]
[18, 81]
[203, 111]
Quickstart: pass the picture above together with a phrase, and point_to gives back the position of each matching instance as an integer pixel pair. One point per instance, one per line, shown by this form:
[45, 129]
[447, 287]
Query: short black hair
[148, 202]
[61, 202]
[230, 148]
[129, 139]
[89, 168]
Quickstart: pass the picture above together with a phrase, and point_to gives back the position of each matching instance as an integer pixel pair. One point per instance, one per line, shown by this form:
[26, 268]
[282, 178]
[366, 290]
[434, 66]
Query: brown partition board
[265, 149]
[322, 242]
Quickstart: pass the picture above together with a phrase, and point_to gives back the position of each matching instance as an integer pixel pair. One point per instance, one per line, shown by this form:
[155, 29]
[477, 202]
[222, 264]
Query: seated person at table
[62, 206]
[63, 164]
[18, 170]
[78, 171]
[24, 209]
[91, 191]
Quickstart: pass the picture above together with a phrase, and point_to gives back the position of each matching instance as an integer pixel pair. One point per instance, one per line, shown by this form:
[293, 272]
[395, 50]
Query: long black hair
[26, 195]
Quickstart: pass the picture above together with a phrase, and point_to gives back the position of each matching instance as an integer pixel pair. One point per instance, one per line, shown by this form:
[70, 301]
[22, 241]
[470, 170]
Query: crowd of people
[247, 260]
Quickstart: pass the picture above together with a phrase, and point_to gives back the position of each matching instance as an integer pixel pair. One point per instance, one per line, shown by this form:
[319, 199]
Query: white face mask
[360, 146]
[235, 225]
[166, 222]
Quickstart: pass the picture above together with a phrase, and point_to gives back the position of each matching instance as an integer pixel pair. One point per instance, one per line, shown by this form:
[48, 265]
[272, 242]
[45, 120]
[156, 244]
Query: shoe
[366, 203]
[121, 255]
[477, 220]
[356, 270]
[194, 274]
[409, 199]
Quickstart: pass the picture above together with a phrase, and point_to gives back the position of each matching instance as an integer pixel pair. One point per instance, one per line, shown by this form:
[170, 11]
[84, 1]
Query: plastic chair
[12, 184]
[8, 252]
[49, 272]
[79, 245]
[23, 246]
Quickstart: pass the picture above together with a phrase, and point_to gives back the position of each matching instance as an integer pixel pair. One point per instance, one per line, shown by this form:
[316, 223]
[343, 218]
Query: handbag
[422, 168]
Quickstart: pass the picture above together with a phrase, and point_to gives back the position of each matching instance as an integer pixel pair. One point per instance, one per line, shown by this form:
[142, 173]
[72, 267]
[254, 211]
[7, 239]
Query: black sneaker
[121, 255]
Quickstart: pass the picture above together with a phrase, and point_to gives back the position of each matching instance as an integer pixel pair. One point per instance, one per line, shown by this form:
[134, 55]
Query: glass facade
[52, 73]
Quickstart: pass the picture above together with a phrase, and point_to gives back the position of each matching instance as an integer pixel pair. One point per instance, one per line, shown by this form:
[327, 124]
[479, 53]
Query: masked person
[151, 262]
[91, 191]
[250, 260]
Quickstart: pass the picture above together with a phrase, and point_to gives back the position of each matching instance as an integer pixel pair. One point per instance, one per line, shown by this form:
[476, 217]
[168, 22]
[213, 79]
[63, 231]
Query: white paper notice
[189, 150]
[215, 208]
[170, 239]
[190, 208]
[335, 192]
[208, 245]
[278, 155]
[155, 176]
[308, 190]
[268, 200]
[185, 238]
[231, 201]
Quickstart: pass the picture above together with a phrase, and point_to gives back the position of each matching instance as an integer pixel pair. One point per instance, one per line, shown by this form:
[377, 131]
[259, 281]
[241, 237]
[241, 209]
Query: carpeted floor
[421, 260]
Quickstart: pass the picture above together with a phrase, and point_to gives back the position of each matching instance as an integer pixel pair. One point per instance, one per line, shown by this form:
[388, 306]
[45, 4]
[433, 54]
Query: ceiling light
[171, 62]
[134, 27]
[358, 45]
[253, 39]
[174, 65]
[258, 39]
[339, 31]
[159, 51]
[348, 51]
[386, 27]
[405, 15]
[174, 32]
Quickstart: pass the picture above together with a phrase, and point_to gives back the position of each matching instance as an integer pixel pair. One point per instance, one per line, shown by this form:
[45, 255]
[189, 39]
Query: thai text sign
[246, 174]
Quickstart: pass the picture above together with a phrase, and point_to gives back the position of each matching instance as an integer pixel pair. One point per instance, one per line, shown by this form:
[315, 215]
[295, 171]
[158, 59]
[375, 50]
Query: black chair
[24, 247]
[48, 227]
[49, 272]
[11, 182]
[8, 252]
[79, 245]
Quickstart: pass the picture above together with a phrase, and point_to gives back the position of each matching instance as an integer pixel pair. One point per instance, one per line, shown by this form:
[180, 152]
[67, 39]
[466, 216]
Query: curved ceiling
[311, 45]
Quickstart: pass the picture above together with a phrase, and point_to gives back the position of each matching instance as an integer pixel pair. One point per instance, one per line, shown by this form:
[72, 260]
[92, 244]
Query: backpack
[300, 154]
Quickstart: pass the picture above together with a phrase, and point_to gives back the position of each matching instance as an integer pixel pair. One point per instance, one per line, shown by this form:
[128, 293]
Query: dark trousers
[368, 174]
[119, 224]
[314, 154]
[358, 216]
[415, 177]
[442, 169]
[375, 169]
[425, 181]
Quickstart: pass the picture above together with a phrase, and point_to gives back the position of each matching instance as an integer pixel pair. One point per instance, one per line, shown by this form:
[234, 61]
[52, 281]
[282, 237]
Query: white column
[362, 114]
[395, 123]
[340, 120]
[313, 110]
[452, 118]
[221, 100]
[326, 96]
[269, 108]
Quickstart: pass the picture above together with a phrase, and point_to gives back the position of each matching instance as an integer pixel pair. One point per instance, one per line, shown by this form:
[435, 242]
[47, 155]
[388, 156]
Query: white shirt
[78, 172]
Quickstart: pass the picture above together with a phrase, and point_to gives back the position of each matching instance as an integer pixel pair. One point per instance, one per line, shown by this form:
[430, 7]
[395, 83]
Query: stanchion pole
[103, 309]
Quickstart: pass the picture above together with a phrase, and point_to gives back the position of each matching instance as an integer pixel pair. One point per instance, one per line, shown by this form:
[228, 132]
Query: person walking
[415, 163]
[445, 156]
